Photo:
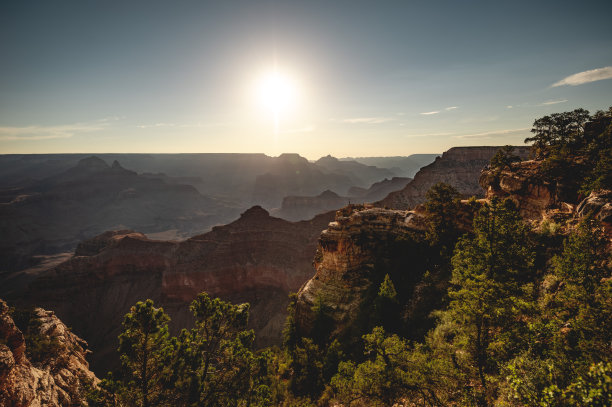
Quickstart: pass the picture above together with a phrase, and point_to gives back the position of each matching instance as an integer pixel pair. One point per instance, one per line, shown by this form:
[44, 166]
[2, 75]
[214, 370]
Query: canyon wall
[353, 256]
[257, 259]
[459, 167]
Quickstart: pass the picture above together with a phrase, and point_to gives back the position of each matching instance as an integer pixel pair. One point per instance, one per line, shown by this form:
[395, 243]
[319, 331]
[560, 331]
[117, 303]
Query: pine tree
[386, 307]
[488, 293]
[144, 349]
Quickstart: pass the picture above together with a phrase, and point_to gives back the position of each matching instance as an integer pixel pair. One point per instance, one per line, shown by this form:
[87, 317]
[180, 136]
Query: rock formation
[353, 255]
[257, 259]
[534, 196]
[599, 205]
[59, 378]
[459, 167]
[539, 199]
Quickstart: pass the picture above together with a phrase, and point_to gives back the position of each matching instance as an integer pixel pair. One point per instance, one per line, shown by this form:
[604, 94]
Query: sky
[362, 78]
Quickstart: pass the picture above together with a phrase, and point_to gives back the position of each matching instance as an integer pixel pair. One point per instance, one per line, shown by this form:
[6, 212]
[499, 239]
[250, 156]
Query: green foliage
[442, 206]
[571, 334]
[504, 157]
[40, 348]
[558, 131]
[489, 292]
[386, 307]
[531, 386]
[393, 371]
[290, 336]
[575, 149]
[210, 365]
[144, 348]
[306, 366]
[322, 324]
[214, 364]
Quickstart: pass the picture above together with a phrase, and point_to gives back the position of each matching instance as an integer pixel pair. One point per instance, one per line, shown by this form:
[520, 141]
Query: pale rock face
[58, 381]
[535, 197]
[598, 204]
[345, 261]
[459, 167]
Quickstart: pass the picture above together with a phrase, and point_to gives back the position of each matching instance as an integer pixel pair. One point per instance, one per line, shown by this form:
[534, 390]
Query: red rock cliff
[257, 259]
[59, 380]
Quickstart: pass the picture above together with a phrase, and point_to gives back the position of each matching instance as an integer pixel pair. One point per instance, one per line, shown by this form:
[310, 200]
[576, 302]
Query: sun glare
[276, 94]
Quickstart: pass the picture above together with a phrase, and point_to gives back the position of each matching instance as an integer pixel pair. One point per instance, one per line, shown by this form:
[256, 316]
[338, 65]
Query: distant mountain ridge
[49, 202]
[296, 208]
[401, 166]
[53, 214]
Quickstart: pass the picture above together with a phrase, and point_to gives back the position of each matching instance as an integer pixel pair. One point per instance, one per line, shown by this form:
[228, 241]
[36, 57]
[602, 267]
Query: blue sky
[371, 78]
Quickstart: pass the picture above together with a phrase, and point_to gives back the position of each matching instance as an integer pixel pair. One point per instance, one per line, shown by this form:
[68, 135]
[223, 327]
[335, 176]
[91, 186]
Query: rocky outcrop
[60, 378]
[257, 259]
[353, 255]
[523, 184]
[599, 205]
[459, 167]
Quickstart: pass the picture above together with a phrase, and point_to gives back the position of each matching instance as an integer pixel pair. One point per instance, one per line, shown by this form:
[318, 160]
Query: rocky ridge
[352, 256]
[59, 380]
[459, 167]
[535, 197]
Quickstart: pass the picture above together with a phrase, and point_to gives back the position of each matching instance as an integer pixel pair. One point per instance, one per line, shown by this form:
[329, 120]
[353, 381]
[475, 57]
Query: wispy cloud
[553, 102]
[509, 107]
[492, 134]
[36, 132]
[367, 120]
[430, 113]
[586, 77]
[452, 108]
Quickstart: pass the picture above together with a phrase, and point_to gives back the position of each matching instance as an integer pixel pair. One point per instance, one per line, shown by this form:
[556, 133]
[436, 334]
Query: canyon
[257, 259]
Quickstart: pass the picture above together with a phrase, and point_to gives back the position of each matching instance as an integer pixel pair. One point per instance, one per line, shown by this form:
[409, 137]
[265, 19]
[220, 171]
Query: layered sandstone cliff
[522, 182]
[60, 378]
[257, 259]
[459, 167]
[354, 253]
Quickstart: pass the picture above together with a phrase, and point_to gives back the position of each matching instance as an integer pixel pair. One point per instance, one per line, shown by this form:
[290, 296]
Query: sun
[276, 94]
